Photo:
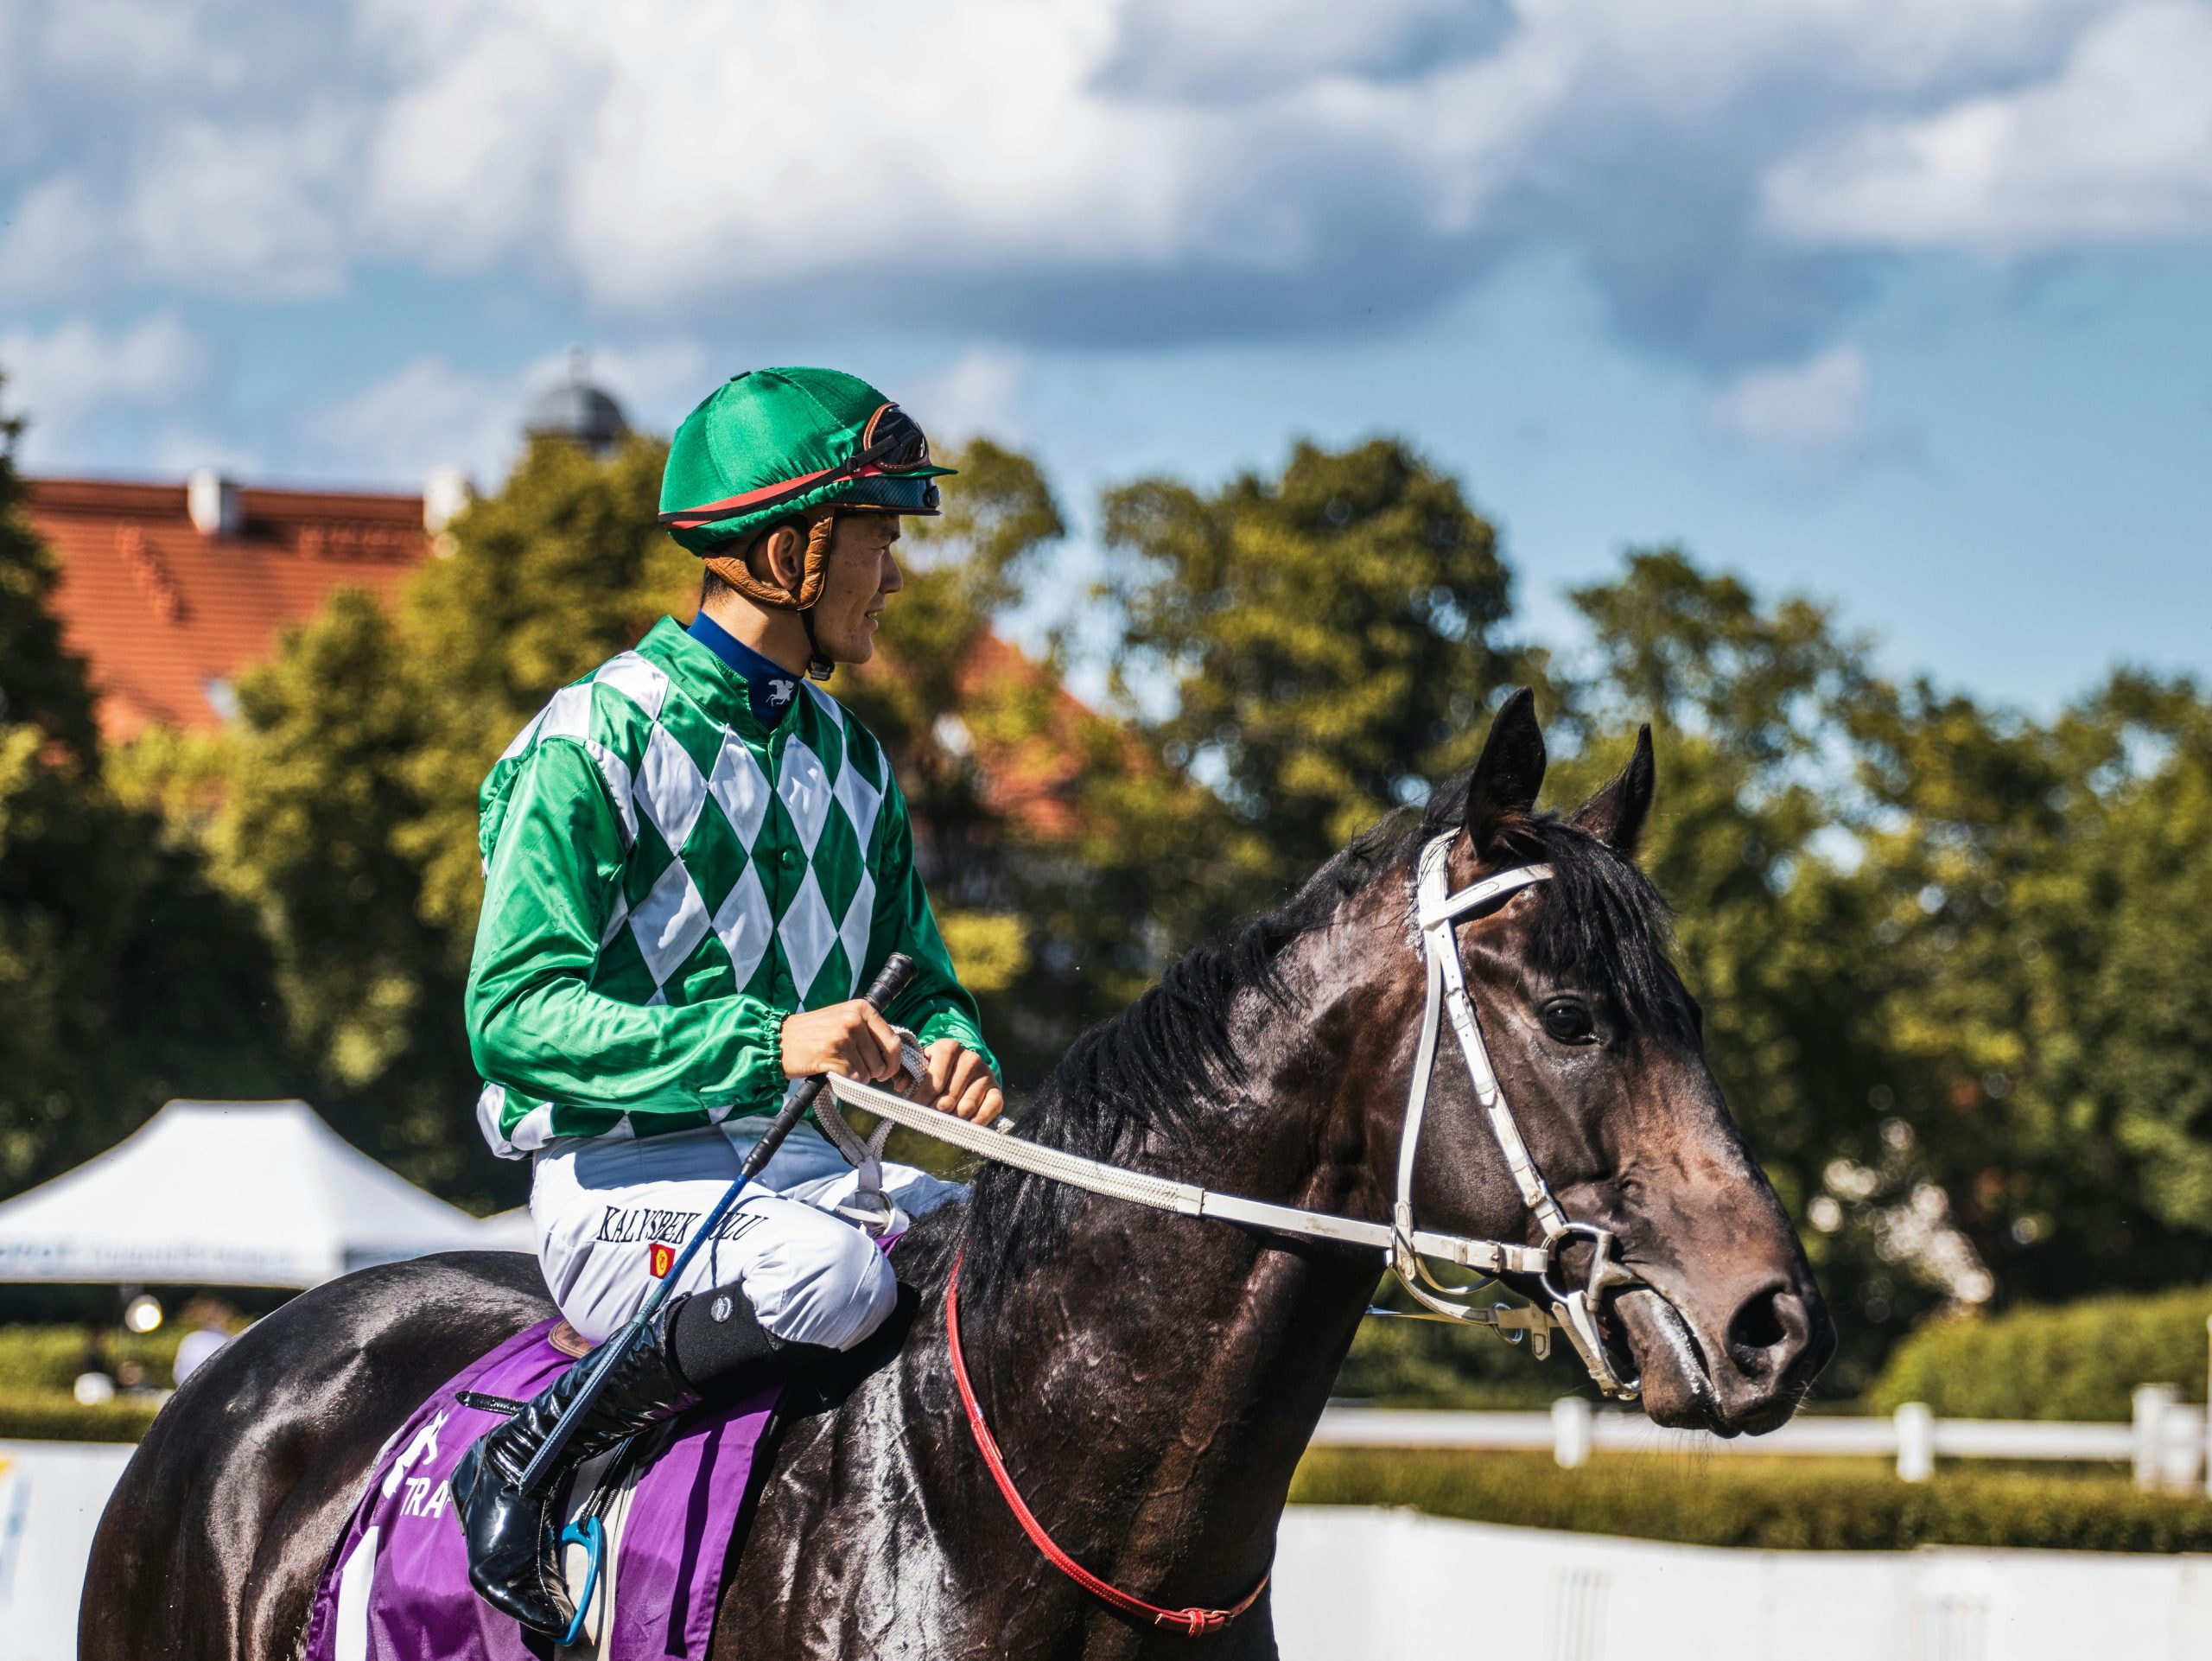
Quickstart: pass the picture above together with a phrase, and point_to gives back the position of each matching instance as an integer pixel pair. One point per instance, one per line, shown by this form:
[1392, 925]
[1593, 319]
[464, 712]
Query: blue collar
[770, 688]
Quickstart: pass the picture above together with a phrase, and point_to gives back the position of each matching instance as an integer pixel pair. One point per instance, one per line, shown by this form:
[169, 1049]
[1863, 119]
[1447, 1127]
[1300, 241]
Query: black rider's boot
[514, 1556]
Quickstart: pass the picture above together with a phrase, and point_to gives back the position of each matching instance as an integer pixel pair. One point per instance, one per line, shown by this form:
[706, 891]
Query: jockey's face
[859, 579]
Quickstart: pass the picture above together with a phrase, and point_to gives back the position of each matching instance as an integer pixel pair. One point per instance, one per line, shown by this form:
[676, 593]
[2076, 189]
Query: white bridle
[1406, 1248]
[1438, 914]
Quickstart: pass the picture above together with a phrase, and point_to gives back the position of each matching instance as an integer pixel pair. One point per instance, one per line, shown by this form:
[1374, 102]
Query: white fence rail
[1359, 1584]
[2165, 1445]
[1356, 1584]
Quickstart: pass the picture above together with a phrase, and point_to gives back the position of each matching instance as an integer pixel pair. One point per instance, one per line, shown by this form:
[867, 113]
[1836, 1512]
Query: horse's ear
[1617, 813]
[1512, 771]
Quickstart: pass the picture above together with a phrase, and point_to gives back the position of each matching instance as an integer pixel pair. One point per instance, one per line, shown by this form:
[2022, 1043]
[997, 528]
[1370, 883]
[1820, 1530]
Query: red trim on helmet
[709, 512]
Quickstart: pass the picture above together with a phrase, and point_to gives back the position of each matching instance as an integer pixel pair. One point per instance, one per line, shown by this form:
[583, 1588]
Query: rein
[1192, 1622]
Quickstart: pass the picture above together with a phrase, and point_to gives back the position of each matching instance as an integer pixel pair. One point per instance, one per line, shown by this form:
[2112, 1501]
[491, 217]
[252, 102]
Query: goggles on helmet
[892, 443]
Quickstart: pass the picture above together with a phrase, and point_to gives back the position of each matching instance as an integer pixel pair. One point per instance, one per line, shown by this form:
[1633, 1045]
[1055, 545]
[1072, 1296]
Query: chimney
[212, 502]
[446, 494]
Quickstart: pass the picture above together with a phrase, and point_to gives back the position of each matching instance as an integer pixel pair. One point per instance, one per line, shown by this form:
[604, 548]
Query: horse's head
[1599, 1054]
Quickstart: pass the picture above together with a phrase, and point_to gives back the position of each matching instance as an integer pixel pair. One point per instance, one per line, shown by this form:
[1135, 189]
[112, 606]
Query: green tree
[2043, 889]
[347, 816]
[126, 977]
[1330, 638]
[1753, 706]
[1950, 957]
[1049, 835]
[545, 580]
[319, 785]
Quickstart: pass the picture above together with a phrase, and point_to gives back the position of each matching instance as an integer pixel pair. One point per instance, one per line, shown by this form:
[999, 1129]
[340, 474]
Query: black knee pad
[718, 1344]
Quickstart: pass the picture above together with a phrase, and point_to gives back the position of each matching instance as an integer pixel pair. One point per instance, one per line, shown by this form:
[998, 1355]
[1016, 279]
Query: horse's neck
[1155, 1418]
[1154, 1383]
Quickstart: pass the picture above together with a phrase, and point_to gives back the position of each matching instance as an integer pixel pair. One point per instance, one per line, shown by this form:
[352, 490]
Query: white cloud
[68, 378]
[2115, 147]
[655, 382]
[428, 413]
[1087, 170]
[246, 209]
[1811, 414]
[150, 42]
[425, 414]
[182, 449]
[979, 394]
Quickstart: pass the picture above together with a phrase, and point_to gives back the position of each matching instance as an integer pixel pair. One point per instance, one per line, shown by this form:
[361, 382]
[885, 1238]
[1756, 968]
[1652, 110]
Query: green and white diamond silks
[665, 881]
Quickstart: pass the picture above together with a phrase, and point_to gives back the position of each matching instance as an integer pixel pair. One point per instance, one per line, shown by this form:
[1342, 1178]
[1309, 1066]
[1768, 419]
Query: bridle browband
[1406, 1249]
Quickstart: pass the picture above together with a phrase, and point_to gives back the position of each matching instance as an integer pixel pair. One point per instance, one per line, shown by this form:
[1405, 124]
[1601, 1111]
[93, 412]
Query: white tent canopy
[229, 1194]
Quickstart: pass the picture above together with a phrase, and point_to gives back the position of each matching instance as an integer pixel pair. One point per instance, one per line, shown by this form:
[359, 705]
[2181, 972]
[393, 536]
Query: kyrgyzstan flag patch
[661, 1260]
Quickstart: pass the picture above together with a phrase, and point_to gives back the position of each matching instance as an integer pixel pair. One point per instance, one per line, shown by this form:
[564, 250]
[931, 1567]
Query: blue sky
[1907, 307]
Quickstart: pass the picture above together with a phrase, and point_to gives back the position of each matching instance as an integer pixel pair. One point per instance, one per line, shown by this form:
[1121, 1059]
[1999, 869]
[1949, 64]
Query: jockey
[693, 860]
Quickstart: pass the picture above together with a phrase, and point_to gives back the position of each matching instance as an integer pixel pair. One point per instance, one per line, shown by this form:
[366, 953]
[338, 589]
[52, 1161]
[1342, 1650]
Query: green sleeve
[935, 1004]
[534, 1023]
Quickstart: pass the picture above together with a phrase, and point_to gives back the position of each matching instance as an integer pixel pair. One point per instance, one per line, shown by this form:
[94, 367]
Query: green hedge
[2069, 1361]
[50, 1358]
[1747, 1500]
[1433, 1363]
[55, 1415]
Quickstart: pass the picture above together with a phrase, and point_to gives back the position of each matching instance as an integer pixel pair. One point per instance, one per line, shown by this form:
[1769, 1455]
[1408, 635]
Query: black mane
[1146, 1072]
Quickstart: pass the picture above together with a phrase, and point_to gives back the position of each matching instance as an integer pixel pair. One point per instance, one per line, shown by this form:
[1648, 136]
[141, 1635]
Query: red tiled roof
[164, 615]
[1031, 781]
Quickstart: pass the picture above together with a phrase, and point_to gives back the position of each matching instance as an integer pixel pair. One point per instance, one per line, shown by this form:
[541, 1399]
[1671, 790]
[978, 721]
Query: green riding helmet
[771, 443]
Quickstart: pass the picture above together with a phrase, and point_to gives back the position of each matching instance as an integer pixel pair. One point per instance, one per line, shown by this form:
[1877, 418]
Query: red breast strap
[1193, 1623]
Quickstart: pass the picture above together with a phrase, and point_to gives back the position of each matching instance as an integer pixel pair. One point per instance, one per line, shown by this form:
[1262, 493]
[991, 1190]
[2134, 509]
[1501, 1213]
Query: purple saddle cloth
[396, 1588]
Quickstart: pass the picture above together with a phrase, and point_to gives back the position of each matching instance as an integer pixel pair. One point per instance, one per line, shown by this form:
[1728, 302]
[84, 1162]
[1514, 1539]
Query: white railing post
[2179, 1471]
[2152, 1402]
[1571, 1432]
[1915, 1423]
[2206, 1448]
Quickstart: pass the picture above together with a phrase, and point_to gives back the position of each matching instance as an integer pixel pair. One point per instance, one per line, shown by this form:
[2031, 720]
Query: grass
[56, 1415]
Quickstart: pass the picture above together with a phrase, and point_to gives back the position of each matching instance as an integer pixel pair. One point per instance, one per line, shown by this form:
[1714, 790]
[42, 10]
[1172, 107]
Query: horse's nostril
[1761, 1332]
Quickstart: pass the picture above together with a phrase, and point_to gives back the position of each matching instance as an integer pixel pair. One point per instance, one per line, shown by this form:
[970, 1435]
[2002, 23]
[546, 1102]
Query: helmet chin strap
[819, 666]
[814, 560]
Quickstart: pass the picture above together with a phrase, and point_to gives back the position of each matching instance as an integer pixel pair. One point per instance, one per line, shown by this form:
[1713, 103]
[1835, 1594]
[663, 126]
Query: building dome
[578, 413]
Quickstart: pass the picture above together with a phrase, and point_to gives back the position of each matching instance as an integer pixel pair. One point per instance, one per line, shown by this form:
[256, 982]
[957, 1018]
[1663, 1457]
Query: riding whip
[890, 981]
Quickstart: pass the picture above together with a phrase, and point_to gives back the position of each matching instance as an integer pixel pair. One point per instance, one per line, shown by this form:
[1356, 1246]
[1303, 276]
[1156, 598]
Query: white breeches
[601, 1207]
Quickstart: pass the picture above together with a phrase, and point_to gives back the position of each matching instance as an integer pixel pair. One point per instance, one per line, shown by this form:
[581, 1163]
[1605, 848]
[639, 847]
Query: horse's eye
[1568, 1020]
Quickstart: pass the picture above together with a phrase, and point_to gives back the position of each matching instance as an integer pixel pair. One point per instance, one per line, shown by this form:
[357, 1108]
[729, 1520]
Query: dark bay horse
[1153, 1378]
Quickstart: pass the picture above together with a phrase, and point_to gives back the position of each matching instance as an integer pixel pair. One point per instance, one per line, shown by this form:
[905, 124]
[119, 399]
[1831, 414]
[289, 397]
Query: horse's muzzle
[1744, 1374]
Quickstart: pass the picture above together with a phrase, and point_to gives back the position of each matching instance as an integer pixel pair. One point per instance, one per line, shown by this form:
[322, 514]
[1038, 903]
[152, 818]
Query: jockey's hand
[960, 1082]
[852, 1040]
